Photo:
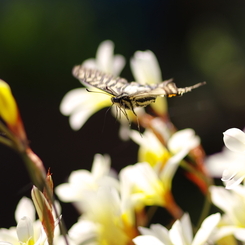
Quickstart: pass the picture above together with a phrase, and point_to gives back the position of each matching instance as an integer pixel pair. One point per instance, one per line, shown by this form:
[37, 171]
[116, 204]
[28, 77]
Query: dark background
[40, 42]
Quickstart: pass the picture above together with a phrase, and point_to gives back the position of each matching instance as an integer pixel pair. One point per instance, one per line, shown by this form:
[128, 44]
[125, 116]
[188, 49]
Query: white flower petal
[118, 64]
[90, 64]
[222, 198]
[161, 233]
[170, 168]
[206, 229]
[161, 127]
[78, 181]
[217, 163]
[80, 105]
[232, 179]
[9, 235]
[72, 100]
[234, 140]
[223, 231]
[140, 183]
[147, 240]
[145, 68]
[239, 233]
[185, 138]
[78, 118]
[101, 166]
[124, 130]
[176, 234]
[25, 230]
[104, 56]
[25, 208]
[187, 228]
[82, 231]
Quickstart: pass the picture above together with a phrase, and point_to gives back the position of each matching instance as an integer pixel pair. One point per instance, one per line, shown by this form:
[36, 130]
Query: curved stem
[204, 213]
[37, 173]
[7, 142]
[172, 206]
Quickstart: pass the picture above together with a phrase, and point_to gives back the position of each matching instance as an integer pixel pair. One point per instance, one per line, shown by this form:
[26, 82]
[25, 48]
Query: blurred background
[40, 42]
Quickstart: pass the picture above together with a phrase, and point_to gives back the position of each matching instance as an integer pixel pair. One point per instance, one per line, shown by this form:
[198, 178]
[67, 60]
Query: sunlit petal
[25, 208]
[104, 56]
[206, 229]
[176, 234]
[25, 230]
[72, 100]
[234, 140]
[118, 64]
[90, 63]
[233, 177]
[140, 183]
[145, 68]
[187, 228]
[78, 118]
[185, 138]
[146, 240]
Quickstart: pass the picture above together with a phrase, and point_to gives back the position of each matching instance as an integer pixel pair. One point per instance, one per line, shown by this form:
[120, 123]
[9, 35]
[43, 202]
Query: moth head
[121, 102]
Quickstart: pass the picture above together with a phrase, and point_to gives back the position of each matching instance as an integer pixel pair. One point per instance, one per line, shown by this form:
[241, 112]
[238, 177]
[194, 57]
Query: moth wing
[149, 92]
[100, 80]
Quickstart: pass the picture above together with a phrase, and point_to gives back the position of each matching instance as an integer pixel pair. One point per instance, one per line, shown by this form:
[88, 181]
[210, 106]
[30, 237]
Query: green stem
[208, 181]
[204, 213]
[150, 213]
[7, 142]
[193, 170]
[15, 143]
[39, 179]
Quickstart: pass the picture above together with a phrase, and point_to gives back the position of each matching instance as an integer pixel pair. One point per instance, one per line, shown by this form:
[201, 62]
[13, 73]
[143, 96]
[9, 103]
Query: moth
[125, 95]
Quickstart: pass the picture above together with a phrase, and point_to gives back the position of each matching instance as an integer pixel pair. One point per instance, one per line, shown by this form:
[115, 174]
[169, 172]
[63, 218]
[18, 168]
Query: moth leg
[118, 114]
[138, 123]
[126, 115]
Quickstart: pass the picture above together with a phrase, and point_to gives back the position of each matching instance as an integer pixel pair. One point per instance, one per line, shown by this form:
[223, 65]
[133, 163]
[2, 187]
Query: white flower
[141, 185]
[82, 181]
[183, 140]
[151, 150]
[28, 231]
[179, 234]
[234, 140]
[145, 67]
[227, 164]
[232, 203]
[231, 161]
[84, 231]
[146, 70]
[78, 103]
[105, 60]
[165, 160]
[104, 220]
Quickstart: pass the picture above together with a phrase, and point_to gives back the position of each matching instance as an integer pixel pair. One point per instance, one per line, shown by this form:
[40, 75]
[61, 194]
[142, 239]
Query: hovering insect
[127, 95]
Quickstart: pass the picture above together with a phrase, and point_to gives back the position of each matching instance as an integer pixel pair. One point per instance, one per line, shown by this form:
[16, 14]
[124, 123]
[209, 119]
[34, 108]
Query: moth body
[127, 95]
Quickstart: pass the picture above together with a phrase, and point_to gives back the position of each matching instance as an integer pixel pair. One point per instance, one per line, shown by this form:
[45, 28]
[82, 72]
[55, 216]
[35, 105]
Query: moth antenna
[98, 92]
[188, 89]
[103, 127]
[138, 125]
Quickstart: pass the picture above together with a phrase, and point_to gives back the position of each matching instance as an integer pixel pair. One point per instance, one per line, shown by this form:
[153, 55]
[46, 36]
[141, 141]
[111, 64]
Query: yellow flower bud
[8, 106]
[9, 113]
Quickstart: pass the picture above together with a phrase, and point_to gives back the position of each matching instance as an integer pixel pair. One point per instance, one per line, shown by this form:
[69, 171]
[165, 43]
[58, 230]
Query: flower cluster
[117, 208]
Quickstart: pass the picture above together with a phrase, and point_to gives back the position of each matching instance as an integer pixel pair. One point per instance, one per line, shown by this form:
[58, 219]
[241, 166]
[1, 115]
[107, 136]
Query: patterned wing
[100, 80]
[135, 90]
[165, 89]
